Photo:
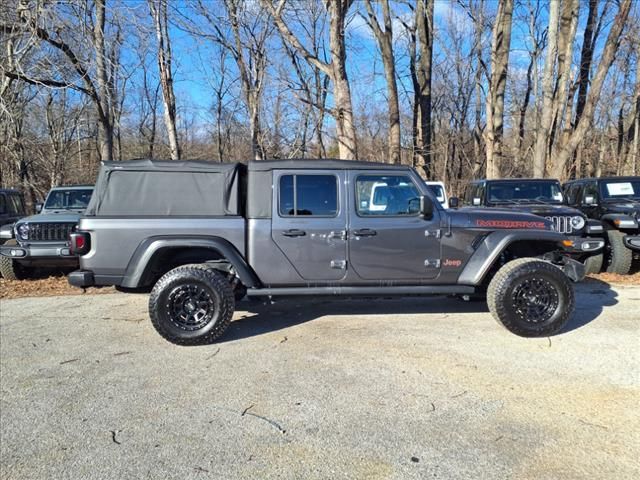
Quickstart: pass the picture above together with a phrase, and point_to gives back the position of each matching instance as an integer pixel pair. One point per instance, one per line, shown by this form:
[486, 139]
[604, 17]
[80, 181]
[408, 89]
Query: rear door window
[308, 195]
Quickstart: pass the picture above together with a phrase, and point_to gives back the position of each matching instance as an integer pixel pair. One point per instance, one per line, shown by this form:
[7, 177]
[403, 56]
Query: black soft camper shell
[198, 188]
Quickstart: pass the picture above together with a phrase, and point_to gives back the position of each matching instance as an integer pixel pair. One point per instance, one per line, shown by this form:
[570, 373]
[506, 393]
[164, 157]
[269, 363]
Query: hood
[543, 209]
[625, 207]
[66, 217]
[497, 219]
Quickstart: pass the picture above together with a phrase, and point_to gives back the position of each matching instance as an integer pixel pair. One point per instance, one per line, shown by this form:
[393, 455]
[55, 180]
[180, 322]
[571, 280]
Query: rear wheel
[531, 297]
[10, 269]
[619, 258]
[191, 305]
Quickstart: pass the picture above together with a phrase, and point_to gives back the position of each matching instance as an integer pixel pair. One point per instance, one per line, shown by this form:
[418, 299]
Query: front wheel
[191, 305]
[11, 269]
[531, 298]
[619, 257]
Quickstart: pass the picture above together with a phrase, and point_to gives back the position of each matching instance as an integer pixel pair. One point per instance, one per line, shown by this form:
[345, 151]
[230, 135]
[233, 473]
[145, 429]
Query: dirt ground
[410, 388]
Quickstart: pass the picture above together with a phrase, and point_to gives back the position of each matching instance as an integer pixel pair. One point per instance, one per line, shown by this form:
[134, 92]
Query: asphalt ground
[371, 389]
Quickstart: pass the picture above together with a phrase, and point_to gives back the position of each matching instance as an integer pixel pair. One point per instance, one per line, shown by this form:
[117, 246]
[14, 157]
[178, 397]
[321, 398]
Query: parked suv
[12, 207]
[42, 240]
[616, 202]
[203, 235]
[542, 197]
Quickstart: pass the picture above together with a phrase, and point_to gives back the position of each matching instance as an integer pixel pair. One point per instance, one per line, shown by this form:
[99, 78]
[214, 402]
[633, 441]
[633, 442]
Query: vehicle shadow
[592, 296]
[258, 318]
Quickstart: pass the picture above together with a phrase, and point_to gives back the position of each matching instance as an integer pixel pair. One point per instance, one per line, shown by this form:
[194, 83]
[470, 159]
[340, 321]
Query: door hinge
[432, 263]
[433, 233]
[339, 264]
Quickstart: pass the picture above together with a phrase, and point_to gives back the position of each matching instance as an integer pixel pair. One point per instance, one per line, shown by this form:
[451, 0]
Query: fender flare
[494, 244]
[149, 247]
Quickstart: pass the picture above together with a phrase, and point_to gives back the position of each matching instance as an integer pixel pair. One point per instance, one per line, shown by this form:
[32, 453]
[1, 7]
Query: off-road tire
[10, 269]
[508, 289]
[212, 285]
[593, 264]
[619, 258]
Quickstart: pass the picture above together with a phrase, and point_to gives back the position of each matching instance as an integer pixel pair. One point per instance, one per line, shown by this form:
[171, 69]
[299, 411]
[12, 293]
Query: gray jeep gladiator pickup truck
[202, 235]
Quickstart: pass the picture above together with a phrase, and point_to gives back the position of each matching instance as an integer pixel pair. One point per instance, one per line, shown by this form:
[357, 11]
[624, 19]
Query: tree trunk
[500, 46]
[347, 142]
[385, 43]
[336, 69]
[159, 12]
[424, 27]
[102, 102]
[608, 55]
[546, 118]
[586, 57]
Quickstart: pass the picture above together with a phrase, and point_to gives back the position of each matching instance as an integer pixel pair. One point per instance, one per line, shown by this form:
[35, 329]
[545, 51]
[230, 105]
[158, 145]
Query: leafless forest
[457, 88]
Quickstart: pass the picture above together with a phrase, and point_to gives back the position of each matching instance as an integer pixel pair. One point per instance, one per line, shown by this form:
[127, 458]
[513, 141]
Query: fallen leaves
[43, 287]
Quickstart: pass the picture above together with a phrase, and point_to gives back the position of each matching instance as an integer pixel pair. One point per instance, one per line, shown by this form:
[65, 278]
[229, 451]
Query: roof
[169, 165]
[628, 177]
[10, 190]
[517, 180]
[315, 163]
[72, 187]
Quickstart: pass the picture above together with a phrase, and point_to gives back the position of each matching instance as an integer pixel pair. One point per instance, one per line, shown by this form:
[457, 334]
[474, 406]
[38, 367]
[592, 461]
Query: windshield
[524, 192]
[438, 191]
[68, 199]
[628, 188]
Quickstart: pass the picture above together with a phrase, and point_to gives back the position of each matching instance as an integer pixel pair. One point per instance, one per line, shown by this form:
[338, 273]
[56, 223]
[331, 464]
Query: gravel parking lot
[403, 388]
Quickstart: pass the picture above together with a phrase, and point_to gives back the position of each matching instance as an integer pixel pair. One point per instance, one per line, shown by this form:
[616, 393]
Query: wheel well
[168, 258]
[519, 249]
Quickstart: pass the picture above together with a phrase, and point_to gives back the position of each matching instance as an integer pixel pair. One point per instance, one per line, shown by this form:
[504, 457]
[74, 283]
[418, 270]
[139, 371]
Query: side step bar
[369, 290]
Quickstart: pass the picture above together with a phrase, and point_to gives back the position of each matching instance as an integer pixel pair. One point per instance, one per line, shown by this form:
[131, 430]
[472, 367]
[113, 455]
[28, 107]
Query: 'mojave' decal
[510, 224]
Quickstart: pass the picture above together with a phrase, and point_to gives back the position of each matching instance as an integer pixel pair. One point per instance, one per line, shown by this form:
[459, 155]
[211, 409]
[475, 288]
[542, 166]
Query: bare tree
[500, 46]
[246, 40]
[384, 38]
[336, 69]
[565, 152]
[91, 80]
[158, 10]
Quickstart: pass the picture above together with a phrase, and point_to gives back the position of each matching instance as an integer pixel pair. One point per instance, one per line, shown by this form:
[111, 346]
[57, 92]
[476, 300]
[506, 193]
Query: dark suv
[12, 207]
[542, 197]
[615, 201]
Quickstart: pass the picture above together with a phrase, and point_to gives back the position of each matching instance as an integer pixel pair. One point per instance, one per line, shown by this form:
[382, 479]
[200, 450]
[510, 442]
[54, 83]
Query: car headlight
[23, 231]
[577, 222]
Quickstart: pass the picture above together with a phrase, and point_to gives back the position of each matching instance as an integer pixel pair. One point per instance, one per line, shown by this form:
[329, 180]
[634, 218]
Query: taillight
[80, 243]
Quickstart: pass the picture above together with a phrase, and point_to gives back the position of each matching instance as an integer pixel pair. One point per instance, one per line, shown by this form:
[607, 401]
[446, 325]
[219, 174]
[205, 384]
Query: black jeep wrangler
[615, 201]
[542, 197]
[203, 235]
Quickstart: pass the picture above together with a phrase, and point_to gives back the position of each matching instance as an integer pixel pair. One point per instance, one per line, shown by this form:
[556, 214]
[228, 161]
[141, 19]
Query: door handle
[365, 232]
[294, 232]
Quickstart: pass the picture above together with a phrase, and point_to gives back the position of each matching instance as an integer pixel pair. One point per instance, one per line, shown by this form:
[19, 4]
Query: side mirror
[476, 201]
[38, 207]
[454, 202]
[6, 232]
[426, 207]
[589, 200]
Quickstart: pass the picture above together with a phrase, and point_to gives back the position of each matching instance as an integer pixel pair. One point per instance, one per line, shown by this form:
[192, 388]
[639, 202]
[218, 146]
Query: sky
[364, 63]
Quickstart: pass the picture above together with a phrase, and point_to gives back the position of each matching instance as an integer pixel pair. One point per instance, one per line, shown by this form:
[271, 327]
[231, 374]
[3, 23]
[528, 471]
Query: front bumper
[632, 242]
[39, 254]
[583, 245]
